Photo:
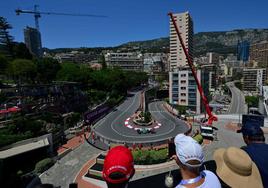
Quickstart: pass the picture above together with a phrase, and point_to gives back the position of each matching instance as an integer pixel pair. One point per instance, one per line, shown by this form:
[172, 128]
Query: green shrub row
[147, 157]
[43, 165]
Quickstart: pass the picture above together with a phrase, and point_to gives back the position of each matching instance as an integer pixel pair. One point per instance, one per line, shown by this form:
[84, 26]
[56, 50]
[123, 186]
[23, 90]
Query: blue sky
[129, 20]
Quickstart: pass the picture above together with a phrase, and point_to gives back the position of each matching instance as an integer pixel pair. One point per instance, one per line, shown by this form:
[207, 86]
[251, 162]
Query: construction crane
[37, 14]
[211, 117]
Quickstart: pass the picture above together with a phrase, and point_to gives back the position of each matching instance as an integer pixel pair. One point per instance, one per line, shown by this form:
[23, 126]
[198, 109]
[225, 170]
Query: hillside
[222, 42]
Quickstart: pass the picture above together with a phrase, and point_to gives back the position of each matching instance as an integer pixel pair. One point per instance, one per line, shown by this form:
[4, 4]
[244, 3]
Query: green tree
[252, 101]
[47, 69]
[3, 64]
[21, 51]
[84, 76]
[181, 109]
[101, 60]
[23, 69]
[68, 72]
[147, 117]
[6, 40]
[73, 119]
[238, 85]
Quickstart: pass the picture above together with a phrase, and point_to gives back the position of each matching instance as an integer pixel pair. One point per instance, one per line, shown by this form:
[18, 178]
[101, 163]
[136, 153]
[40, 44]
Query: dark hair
[117, 185]
[195, 170]
[257, 138]
[117, 176]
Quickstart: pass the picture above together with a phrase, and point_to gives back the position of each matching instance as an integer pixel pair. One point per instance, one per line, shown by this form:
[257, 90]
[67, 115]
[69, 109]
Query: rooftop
[25, 146]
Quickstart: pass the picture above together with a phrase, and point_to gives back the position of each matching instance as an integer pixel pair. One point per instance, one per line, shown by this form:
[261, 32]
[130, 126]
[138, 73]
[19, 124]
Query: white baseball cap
[188, 149]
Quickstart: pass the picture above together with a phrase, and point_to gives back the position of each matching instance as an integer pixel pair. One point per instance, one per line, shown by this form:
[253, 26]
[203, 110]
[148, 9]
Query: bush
[252, 101]
[198, 138]
[147, 157]
[238, 85]
[43, 165]
[147, 117]
[114, 101]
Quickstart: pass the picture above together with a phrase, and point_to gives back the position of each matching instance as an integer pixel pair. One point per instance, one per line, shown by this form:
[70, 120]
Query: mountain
[222, 42]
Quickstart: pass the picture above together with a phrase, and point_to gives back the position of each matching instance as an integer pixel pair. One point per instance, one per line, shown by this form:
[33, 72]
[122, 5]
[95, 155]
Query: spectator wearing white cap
[190, 157]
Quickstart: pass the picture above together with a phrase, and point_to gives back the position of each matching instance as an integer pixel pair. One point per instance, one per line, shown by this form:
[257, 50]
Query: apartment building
[182, 86]
[259, 54]
[213, 71]
[155, 62]
[183, 89]
[253, 80]
[185, 25]
[125, 61]
[76, 57]
[32, 38]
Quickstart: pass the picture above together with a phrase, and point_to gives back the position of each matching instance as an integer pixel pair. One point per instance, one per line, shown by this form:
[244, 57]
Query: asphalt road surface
[237, 105]
[112, 126]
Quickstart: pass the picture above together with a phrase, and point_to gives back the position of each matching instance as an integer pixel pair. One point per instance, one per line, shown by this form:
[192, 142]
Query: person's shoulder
[179, 186]
[208, 173]
[256, 147]
[211, 180]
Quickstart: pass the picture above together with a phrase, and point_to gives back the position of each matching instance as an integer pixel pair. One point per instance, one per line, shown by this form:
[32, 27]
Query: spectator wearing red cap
[118, 167]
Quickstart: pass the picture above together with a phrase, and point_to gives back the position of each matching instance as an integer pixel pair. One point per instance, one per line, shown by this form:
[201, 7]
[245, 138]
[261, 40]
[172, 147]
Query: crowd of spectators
[235, 167]
[245, 167]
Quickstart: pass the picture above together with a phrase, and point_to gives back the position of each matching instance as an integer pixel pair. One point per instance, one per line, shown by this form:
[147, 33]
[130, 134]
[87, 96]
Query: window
[183, 81]
[192, 90]
[183, 94]
[192, 102]
[183, 100]
[192, 82]
[192, 95]
[175, 90]
[183, 75]
[183, 88]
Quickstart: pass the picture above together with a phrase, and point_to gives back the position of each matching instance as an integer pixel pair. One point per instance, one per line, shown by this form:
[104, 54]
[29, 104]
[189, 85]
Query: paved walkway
[65, 170]
[79, 177]
[72, 144]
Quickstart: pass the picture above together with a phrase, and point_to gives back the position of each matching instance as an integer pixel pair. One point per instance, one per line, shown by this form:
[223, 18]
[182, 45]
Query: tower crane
[211, 117]
[37, 14]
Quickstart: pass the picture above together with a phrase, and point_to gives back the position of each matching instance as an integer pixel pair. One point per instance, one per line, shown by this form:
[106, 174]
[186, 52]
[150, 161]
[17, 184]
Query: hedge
[43, 165]
[198, 138]
[147, 157]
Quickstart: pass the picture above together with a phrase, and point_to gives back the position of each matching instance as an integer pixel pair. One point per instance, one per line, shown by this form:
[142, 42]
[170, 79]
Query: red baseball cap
[118, 159]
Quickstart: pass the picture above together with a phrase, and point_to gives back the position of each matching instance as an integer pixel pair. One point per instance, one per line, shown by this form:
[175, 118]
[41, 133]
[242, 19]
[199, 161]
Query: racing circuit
[112, 127]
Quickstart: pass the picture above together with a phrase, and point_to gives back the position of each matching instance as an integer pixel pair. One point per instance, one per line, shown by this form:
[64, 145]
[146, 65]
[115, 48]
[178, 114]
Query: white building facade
[253, 80]
[183, 90]
[182, 86]
[126, 61]
[185, 26]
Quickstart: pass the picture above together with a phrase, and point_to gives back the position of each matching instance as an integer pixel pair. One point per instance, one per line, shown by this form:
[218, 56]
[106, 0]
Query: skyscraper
[182, 85]
[243, 51]
[185, 26]
[32, 38]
